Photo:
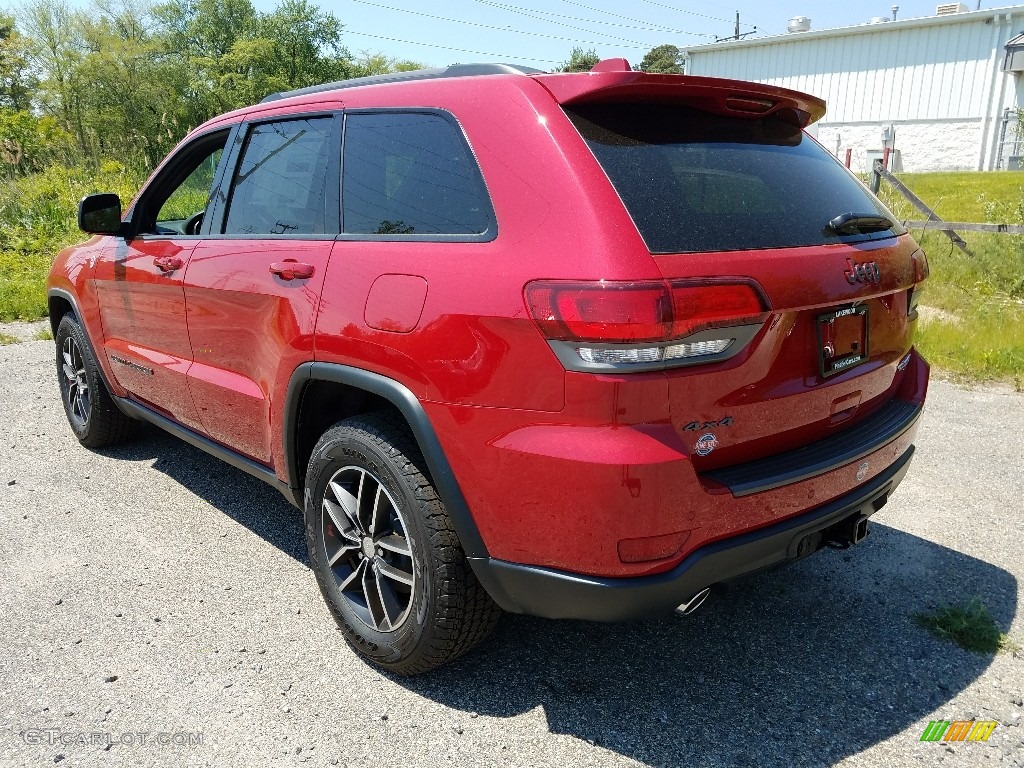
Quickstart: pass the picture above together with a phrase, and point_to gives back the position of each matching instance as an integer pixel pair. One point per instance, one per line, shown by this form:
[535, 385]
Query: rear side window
[280, 186]
[697, 182]
[410, 173]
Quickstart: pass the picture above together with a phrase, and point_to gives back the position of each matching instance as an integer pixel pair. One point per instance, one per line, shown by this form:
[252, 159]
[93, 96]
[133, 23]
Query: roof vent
[799, 24]
[947, 8]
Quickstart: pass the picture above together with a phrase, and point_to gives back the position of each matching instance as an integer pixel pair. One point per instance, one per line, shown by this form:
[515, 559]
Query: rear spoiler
[613, 81]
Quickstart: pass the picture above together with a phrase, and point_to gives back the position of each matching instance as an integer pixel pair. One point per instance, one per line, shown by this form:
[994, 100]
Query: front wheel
[94, 418]
[384, 551]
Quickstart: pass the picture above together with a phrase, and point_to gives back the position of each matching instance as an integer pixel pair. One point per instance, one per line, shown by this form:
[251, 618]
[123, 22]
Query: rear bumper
[557, 594]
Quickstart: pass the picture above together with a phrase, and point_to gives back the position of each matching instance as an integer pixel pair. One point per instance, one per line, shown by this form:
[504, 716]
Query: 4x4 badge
[706, 444]
[694, 426]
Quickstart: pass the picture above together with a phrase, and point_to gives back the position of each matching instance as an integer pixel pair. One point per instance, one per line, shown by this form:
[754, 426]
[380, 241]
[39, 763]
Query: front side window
[185, 206]
[410, 173]
[280, 187]
[176, 201]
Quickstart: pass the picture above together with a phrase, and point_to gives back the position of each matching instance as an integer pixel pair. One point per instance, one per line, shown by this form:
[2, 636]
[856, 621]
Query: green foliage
[232, 55]
[973, 319]
[39, 218]
[6, 338]
[957, 195]
[125, 79]
[969, 625]
[16, 79]
[664, 59]
[367, 64]
[29, 142]
[43, 334]
[579, 61]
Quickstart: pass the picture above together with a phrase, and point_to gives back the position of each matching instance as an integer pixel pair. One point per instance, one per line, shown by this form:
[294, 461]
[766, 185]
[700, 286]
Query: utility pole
[736, 34]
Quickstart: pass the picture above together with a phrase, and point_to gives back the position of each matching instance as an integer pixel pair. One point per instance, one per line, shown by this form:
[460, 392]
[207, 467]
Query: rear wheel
[92, 414]
[385, 553]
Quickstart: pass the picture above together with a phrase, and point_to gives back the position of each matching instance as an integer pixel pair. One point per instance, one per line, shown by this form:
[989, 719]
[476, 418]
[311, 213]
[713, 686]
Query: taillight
[646, 324]
[603, 311]
[921, 271]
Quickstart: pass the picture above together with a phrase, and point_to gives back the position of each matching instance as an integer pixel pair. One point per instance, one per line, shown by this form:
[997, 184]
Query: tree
[129, 84]
[125, 79]
[17, 82]
[579, 61]
[55, 53]
[307, 44]
[233, 55]
[663, 59]
[369, 63]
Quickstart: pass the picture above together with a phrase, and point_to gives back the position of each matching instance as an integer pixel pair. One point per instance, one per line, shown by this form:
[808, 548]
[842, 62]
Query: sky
[542, 33]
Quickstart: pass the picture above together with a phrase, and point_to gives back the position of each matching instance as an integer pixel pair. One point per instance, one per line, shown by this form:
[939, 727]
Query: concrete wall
[923, 146]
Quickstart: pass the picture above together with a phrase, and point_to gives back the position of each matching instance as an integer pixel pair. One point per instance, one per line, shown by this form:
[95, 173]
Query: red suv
[571, 345]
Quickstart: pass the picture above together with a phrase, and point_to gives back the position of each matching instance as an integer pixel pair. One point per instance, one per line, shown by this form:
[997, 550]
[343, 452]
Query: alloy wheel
[76, 384]
[367, 547]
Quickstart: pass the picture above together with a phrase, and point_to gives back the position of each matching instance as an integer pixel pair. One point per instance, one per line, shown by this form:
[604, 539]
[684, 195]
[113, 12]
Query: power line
[620, 16]
[532, 15]
[692, 13]
[656, 28]
[449, 48]
[634, 43]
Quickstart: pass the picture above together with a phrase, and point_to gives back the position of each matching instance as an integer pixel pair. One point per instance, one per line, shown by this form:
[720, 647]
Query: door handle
[289, 269]
[167, 263]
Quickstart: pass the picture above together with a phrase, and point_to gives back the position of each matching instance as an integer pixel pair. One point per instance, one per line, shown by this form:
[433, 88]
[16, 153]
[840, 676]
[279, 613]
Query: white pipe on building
[994, 73]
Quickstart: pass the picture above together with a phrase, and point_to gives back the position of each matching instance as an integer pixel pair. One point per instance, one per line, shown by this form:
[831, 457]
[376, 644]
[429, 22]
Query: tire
[94, 418]
[384, 551]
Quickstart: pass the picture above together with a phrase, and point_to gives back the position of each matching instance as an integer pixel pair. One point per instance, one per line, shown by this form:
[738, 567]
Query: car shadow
[245, 499]
[804, 665]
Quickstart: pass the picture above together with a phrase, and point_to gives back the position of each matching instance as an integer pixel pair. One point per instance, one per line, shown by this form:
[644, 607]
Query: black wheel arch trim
[409, 406]
[70, 299]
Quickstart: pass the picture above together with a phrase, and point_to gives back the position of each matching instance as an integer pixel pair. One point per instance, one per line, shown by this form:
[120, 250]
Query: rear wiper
[858, 224]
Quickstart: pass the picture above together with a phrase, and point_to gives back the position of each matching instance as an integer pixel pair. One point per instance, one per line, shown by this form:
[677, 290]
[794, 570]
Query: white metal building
[934, 88]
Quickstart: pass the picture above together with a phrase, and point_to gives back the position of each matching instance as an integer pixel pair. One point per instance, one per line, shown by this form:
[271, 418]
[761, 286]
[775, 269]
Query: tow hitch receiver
[845, 533]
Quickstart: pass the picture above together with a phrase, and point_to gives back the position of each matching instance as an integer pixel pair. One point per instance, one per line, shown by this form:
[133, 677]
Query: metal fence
[1011, 142]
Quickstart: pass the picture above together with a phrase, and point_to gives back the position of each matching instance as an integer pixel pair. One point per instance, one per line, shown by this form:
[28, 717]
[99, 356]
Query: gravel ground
[154, 590]
[25, 331]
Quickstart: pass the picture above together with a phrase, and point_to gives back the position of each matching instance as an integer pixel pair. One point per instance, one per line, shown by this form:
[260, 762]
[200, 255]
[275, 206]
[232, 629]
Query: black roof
[455, 70]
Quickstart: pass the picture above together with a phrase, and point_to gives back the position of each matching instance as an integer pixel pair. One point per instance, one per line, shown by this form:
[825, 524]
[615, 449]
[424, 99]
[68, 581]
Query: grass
[38, 219]
[969, 625]
[43, 334]
[6, 338]
[979, 333]
[963, 196]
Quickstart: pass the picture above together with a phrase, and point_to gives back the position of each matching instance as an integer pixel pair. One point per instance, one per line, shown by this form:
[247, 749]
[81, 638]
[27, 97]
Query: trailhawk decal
[130, 364]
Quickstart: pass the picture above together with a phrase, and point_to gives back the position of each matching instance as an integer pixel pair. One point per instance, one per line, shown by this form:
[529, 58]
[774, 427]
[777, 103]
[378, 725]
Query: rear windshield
[693, 181]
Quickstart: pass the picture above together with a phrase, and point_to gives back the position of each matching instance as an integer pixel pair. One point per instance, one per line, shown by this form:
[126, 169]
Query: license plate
[842, 339]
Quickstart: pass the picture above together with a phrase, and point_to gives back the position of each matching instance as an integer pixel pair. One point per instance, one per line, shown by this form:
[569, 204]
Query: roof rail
[455, 70]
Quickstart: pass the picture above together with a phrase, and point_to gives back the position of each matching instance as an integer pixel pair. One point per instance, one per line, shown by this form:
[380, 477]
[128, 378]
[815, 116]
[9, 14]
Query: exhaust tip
[695, 602]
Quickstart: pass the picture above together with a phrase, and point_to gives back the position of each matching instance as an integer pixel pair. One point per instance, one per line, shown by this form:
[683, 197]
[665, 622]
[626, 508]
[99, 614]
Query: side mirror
[100, 214]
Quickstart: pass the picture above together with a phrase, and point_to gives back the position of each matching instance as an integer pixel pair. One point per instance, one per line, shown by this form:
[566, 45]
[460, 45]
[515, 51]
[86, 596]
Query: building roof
[857, 29]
